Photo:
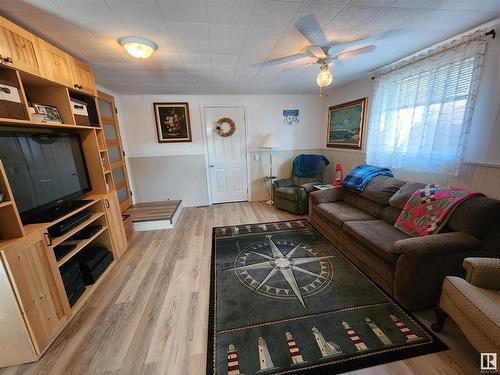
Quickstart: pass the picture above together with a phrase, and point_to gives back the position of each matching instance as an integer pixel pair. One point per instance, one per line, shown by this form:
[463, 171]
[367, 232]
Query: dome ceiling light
[137, 47]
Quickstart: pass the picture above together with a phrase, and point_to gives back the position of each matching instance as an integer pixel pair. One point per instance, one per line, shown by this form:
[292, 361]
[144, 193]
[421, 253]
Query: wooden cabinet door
[19, 49]
[114, 146]
[83, 78]
[15, 340]
[34, 282]
[56, 64]
[115, 223]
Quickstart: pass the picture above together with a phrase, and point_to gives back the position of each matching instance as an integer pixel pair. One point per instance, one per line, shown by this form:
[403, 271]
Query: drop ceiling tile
[482, 5]
[274, 13]
[373, 2]
[261, 38]
[186, 31]
[195, 58]
[184, 11]
[415, 4]
[232, 12]
[323, 11]
[354, 17]
[143, 10]
[32, 6]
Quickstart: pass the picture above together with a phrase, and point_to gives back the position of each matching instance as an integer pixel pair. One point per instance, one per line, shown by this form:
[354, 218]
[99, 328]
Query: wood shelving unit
[81, 245]
[44, 74]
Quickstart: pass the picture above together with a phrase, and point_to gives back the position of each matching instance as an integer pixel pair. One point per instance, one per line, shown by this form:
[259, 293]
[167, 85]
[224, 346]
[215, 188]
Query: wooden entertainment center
[34, 306]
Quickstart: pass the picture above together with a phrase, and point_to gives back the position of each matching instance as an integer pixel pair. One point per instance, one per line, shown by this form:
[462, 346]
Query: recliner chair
[292, 194]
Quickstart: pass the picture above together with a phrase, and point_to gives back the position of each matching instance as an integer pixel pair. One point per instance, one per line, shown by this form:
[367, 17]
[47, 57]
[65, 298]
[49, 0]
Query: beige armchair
[474, 303]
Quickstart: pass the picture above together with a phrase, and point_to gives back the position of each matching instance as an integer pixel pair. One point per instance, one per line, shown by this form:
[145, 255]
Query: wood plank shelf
[58, 240]
[54, 125]
[5, 204]
[81, 245]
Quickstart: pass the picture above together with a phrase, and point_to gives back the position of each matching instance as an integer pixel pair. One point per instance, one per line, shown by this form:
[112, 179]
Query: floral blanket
[428, 209]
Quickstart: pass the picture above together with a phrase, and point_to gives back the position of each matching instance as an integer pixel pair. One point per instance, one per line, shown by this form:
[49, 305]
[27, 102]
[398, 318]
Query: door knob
[211, 165]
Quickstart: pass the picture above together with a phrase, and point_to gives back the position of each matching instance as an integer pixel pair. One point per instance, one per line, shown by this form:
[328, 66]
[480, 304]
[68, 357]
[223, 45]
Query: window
[422, 110]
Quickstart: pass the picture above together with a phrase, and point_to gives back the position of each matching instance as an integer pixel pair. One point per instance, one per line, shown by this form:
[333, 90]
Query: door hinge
[131, 193]
[123, 152]
[116, 110]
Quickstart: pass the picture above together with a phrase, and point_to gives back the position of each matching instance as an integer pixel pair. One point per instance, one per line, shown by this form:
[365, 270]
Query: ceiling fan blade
[300, 66]
[355, 52]
[317, 51]
[367, 40]
[285, 59]
[310, 28]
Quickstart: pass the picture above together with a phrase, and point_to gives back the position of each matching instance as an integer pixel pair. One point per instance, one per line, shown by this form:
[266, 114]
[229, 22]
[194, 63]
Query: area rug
[284, 300]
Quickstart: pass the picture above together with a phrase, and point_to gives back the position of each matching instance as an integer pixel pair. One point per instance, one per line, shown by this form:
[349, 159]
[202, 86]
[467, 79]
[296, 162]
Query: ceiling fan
[325, 52]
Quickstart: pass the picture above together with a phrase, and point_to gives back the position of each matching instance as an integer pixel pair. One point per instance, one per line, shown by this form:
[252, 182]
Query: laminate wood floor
[149, 316]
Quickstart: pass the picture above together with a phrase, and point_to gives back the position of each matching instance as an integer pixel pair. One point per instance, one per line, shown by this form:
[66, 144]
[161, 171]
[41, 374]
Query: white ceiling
[215, 46]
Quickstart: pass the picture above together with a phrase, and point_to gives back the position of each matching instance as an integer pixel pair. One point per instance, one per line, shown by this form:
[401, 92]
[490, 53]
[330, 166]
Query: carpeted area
[284, 300]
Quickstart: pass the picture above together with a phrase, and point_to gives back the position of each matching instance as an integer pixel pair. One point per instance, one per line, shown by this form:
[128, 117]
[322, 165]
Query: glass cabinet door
[114, 147]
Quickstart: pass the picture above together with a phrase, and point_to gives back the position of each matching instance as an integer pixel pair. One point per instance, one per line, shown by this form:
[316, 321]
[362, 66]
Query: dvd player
[66, 225]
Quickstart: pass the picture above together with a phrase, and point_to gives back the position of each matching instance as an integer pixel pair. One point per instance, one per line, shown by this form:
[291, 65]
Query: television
[46, 172]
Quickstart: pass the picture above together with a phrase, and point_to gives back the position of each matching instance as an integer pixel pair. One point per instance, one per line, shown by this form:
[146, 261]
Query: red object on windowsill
[339, 176]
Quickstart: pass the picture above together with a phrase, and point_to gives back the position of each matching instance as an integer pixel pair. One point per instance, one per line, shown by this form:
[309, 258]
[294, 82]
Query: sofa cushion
[404, 193]
[381, 189]
[288, 193]
[340, 212]
[377, 235]
[365, 204]
[475, 216]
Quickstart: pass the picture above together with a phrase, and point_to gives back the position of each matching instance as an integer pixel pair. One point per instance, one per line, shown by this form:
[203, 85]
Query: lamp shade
[269, 141]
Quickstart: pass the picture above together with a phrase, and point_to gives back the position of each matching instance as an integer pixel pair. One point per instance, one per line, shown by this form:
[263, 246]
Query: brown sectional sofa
[361, 225]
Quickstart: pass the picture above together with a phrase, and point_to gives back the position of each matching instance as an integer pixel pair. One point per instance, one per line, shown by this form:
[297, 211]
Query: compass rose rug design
[284, 300]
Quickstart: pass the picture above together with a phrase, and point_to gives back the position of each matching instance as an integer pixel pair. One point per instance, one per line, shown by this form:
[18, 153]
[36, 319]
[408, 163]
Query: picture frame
[51, 114]
[346, 123]
[172, 122]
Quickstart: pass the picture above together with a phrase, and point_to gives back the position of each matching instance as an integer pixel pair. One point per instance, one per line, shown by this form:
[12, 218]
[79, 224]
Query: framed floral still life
[172, 122]
[346, 124]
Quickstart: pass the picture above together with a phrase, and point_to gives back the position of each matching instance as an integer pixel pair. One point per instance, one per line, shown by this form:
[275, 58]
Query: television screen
[43, 169]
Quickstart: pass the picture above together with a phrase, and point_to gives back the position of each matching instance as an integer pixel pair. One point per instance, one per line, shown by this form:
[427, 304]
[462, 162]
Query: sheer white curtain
[422, 108]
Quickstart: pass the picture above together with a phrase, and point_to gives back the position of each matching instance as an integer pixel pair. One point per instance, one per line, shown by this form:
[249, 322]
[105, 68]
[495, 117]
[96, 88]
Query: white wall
[263, 115]
[481, 168]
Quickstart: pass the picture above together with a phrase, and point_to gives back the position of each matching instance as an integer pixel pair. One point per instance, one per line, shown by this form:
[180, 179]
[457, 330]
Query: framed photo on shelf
[346, 123]
[51, 114]
[172, 122]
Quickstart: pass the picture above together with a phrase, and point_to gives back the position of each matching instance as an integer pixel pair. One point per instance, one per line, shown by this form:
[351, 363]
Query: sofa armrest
[424, 262]
[307, 187]
[326, 195]
[437, 244]
[285, 182]
[483, 272]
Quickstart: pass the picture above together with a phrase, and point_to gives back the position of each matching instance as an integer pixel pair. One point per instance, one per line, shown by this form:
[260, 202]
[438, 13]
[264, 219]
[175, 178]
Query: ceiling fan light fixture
[325, 77]
[137, 47]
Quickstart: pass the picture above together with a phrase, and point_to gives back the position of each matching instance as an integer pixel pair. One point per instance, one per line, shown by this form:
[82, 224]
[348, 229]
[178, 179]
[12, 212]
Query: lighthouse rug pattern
[284, 300]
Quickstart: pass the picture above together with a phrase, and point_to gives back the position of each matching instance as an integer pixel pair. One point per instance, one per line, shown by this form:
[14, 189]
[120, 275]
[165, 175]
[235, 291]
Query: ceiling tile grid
[220, 46]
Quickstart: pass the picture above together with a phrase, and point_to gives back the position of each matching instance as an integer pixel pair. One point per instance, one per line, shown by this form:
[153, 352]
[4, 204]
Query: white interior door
[227, 156]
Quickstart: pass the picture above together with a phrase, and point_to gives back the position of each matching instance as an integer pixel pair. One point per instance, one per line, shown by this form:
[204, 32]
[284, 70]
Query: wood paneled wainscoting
[150, 315]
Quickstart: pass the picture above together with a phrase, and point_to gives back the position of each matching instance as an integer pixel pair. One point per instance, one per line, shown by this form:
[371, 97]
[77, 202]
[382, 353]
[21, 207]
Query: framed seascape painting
[346, 124]
[172, 122]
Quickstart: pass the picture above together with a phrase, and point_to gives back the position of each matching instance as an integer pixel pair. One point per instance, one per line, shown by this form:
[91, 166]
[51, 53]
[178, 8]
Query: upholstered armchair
[474, 303]
[292, 194]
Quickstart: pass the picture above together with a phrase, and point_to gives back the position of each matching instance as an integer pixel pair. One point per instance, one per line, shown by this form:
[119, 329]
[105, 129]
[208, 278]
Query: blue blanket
[362, 175]
[307, 165]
